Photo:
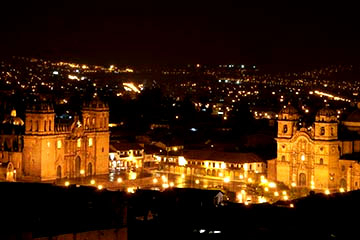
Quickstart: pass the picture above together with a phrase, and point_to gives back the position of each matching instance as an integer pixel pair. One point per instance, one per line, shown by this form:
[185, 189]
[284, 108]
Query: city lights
[92, 181]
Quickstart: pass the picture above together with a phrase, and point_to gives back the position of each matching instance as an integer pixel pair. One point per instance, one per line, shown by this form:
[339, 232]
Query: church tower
[326, 149]
[95, 116]
[287, 121]
[287, 127]
[39, 142]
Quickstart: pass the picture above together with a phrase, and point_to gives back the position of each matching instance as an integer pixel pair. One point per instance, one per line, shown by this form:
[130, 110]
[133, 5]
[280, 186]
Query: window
[90, 142]
[322, 131]
[79, 142]
[321, 162]
[285, 129]
[45, 126]
[332, 131]
[49, 125]
[282, 158]
[342, 168]
[302, 179]
[302, 157]
[58, 144]
[102, 149]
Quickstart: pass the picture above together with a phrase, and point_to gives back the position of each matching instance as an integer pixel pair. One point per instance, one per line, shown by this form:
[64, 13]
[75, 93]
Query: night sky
[145, 32]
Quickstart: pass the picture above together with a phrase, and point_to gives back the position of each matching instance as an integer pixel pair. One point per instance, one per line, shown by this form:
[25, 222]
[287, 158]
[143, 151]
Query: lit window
[302, 157]
[79, 142]
[58, 144]
[182, 161]
[223, 165]
[90, 142]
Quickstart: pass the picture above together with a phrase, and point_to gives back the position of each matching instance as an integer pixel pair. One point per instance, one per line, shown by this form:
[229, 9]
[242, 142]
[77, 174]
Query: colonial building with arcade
[319, 157]
[41, 148]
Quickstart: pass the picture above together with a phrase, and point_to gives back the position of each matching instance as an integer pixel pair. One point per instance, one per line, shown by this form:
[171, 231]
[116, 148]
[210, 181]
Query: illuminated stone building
[316, 157]
[50, 150]
[125, 156]
[214, 164]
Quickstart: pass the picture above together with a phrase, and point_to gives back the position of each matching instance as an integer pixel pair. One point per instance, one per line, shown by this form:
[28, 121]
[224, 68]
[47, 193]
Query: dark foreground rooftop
[46, 210]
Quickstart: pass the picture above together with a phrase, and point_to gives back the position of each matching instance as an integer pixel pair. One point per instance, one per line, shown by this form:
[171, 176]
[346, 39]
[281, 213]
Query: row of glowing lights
[271, 185]
[240, 196]
[329, 95]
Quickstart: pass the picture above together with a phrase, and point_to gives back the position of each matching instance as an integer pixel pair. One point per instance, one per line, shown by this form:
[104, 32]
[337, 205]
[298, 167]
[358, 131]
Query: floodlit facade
[315, 157]
[49, 150]
[214, 164]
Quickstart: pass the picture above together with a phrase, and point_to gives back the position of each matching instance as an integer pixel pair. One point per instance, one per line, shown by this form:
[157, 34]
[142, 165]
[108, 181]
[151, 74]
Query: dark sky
[182, 32]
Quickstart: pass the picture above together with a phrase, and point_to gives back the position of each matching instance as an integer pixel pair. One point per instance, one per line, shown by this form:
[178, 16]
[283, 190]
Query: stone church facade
[315, 157]
[49, 150]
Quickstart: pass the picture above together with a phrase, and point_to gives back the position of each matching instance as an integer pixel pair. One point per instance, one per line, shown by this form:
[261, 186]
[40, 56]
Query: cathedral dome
[352, 122]
[354, 116]
[95, 102]
[40, 106]
[13, 119]
[326, 114]
[288, 110]
[288, 113]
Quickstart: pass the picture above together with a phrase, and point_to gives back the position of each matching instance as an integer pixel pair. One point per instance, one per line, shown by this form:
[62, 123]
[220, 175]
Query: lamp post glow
[92, 182]
[67, 183]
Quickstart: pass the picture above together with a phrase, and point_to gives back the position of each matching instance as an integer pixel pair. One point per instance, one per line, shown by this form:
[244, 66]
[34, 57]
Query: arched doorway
[343, 183]
[10, 172]
[58, 172]
[302, 180]
[77, 166]
[90, 171]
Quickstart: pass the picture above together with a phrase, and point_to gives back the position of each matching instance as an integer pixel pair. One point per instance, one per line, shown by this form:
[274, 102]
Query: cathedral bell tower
[95, 115]
[287, 120]
[326, 125]
[39, 143]
[327, 145]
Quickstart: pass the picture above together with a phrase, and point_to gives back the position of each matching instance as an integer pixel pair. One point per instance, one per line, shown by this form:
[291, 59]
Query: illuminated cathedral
[43, 148]
[317, 157]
